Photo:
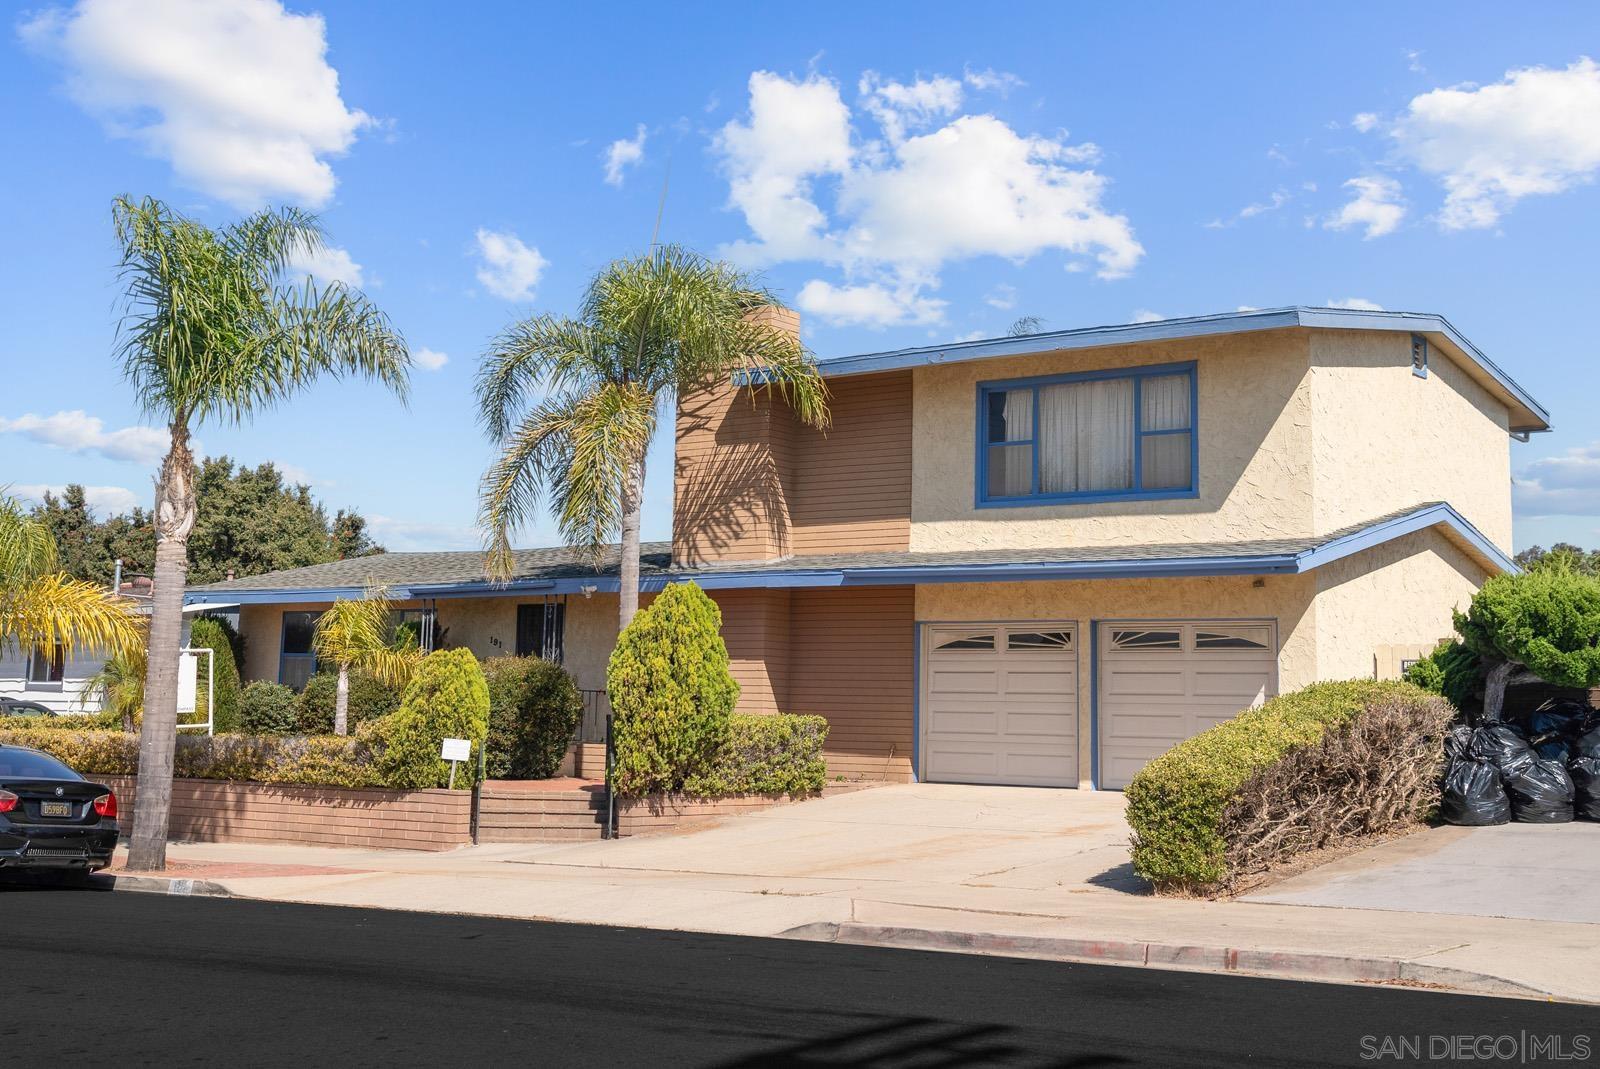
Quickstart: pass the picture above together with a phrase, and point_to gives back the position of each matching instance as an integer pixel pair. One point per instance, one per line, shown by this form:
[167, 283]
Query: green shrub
[671, 692]
[778, 754]
[1452, 670]
[447, 698]
[107, 721]
[208, 632]
[1547, 620]
[268, 709]
[1184, 806]
[534, 709]
[369, 699]
[323, 760]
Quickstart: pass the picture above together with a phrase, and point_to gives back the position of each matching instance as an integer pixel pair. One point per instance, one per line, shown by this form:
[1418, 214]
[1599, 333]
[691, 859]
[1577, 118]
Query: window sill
[1085, 499]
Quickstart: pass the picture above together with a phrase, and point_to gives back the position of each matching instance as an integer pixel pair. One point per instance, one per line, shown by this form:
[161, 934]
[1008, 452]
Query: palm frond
[56, 609]
[27, 549]
[359, 633]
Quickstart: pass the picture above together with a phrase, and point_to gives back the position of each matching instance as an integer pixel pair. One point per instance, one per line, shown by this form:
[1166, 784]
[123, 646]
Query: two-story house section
[1046, 559]
[1037, 560]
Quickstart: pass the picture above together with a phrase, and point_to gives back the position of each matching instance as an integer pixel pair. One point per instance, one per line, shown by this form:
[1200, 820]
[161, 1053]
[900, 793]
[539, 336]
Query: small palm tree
[120, 686]
[215, 330]
[360, 634]
[42, 608]
[571, 403]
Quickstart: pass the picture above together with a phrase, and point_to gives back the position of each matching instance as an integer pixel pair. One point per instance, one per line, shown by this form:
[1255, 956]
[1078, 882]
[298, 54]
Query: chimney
[230, 573]
[784, 319]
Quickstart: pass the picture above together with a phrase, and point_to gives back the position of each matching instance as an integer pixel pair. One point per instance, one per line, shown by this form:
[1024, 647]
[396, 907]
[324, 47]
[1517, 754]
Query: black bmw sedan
[51, 817]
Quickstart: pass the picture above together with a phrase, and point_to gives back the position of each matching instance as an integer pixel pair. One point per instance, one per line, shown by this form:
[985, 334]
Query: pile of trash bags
[1541, 769]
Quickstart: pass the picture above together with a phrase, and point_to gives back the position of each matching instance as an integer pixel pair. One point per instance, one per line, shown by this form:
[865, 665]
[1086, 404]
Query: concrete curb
[162, 885]
[1292, 965]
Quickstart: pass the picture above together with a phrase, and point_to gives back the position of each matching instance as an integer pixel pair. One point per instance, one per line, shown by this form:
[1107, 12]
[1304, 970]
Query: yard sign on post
[454, 751]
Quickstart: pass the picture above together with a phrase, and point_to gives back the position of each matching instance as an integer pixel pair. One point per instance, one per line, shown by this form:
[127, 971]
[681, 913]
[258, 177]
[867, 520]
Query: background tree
[360, 634]
[571, 404]
[41, 607]
[1562, 555]
[214, 330]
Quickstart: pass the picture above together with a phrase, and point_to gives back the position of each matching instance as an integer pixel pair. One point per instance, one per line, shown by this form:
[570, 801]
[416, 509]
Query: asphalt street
[96, 978]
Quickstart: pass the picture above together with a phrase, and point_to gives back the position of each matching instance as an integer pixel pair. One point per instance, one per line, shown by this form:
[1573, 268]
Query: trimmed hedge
[321, 760]
[1452, 670]
[267, 709]
[369, 699]
[1190, 808]
[208, 632]
[534, 709]
[776, 754]
[447, 698]
[671, 693]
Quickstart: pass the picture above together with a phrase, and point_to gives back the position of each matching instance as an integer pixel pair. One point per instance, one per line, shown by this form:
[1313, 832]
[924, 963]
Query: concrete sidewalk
[1002, 870]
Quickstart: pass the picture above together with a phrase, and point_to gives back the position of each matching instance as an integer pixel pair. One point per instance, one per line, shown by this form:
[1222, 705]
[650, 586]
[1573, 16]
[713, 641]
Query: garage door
[1000, 704]
[1161, 682]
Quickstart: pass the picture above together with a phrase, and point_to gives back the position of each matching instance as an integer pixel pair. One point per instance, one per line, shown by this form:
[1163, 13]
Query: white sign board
[456, 750]
[188, 677]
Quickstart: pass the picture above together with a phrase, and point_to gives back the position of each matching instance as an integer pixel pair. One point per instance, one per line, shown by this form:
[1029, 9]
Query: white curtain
[1086, 436]
[1011, 466]
[1164, 406]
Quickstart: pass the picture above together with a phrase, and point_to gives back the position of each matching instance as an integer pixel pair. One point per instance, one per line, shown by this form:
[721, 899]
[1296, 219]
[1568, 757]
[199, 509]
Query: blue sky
[475, 163]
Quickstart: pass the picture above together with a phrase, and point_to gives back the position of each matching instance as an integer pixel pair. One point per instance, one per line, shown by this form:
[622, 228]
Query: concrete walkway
[1009, 870]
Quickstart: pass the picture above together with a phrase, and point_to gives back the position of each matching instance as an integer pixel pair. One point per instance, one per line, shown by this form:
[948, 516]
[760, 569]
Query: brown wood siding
[752, 483]
[850, 490]
[755, 627]
[852, 661]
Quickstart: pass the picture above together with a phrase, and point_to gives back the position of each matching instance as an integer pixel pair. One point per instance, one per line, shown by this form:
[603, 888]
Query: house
[1042, 559]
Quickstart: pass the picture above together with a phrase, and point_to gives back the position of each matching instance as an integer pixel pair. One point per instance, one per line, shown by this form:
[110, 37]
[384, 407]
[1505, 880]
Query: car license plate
[55, 809]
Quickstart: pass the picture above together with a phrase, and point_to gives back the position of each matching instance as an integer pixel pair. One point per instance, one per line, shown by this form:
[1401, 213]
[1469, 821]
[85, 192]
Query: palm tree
[571, 403]
[215, 330]
[43, 608]
[360, 634]
[120, 686]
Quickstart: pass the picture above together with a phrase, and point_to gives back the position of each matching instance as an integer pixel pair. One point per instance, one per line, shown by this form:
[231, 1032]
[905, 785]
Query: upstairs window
[1088, 437]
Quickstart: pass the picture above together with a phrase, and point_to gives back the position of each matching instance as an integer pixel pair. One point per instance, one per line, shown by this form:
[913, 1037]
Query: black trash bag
[1457, 742]
[1587, 742]
[1585, 773]
[1503, 747]
[1541, 793]
[1473, 796]
[1550, 730]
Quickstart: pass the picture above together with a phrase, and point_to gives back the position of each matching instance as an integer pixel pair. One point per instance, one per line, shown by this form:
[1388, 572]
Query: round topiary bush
[671, 692]
[447, 698]
[369, 699]
[267, 709]
[534, 709]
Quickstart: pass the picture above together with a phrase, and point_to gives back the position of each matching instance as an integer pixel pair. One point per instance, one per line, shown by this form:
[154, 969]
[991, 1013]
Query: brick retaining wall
[222, 811]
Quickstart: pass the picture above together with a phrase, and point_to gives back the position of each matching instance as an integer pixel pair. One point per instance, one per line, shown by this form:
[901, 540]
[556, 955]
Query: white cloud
[1414, 61]
[1364, 121]
[1567, 484]
[106, 500]
[78, 432]
[1279, 198]
[989, 79]
[1360, 304]
[873, 304]
[511, 269]
[237, 95]
[624, 153]
[429, 359]
[1248, 308]
[1003, 296]
[1144, 315]
[905, 205]
[328, 264]
[1375, 204]
[1537, 131]
[410, 536]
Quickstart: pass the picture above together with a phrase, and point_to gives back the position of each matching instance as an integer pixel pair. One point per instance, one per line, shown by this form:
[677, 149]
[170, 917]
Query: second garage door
[1161, 682]
[1000, 704]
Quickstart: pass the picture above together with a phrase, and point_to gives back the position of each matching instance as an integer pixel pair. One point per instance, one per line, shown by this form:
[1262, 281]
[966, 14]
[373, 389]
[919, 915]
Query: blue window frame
[1115, 435]
[297, 663]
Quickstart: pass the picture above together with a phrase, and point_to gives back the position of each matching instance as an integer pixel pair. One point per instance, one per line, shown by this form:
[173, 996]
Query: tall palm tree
[360, 634]
[215, 329]
[42, 608]
[572, 403]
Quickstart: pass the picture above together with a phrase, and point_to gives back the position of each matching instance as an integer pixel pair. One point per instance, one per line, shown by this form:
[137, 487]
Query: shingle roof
[463, 566]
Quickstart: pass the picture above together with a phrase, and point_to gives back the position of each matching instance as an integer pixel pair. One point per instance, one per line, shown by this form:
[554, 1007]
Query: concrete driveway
[1029, 838]
[1548, 872]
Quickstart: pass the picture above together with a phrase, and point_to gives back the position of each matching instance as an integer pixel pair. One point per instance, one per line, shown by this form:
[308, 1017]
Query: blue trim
[1138, 374]
[1197, 327]
[900, 575]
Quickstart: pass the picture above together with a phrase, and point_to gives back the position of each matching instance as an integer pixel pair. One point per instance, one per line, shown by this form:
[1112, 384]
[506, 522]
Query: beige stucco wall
[1286, 599]
[1385, 439]
[1255, 451]
[1401, 593]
